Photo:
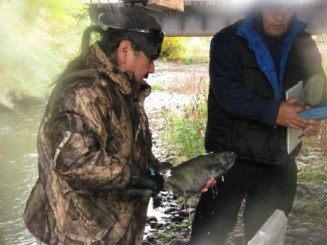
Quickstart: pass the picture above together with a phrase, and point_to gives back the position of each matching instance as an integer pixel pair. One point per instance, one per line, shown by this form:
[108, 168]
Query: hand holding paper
[288, 115]
[313, 129]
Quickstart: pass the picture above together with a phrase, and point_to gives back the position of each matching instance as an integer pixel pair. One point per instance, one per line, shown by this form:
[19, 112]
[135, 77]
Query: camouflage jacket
[93, 141]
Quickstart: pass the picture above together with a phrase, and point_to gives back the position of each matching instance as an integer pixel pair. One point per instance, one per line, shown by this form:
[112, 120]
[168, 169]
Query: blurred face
[276, 21]
[134, 61]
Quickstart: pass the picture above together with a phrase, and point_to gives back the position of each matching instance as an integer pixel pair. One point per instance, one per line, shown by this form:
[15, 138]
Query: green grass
[312, 175]
[185, 135]
[157, 87]
[185, 128]
[309, 206]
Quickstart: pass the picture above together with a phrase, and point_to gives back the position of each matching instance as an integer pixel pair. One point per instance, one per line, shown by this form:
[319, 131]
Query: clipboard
[294, 136]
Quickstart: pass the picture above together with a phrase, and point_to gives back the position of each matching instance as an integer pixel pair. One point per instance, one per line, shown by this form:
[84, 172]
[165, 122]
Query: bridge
[206, 17]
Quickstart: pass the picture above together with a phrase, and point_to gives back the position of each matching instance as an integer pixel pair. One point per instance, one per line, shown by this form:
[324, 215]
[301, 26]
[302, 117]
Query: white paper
[294, 135]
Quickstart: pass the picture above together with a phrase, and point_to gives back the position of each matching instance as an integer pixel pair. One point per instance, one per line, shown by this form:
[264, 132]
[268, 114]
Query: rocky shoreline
[174, 226]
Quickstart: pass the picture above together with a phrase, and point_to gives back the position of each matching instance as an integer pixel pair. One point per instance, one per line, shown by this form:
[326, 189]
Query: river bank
[307, 224]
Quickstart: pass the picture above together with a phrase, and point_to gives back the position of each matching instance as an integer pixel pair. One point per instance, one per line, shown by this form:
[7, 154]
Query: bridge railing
[212, 2]
[244, 2]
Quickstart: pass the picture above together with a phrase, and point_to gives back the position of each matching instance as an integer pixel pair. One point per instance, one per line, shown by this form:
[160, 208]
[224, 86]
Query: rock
[307, 225]
[151, 238]
[303, 242]
[177, 218]
[175, 197]
[300, 192]
[291, 218]
[174, 213]
[300, 233]
[164, 193]
[151, 219]
[153, 224]
[321, 236]
[172, 209]
[151, 231]
[164, 204]
[185, 231]
[184, 214]
[161, 225]
[174, 205]
[296, 222]
[178, 242]
[290, 240]
[321, 231]
[314, 240]
[289, 233]
[239, 239]
[162, 228]
[178, 236]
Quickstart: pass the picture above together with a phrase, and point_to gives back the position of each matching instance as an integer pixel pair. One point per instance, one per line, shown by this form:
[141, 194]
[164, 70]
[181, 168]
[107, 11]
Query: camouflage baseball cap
[140, 27]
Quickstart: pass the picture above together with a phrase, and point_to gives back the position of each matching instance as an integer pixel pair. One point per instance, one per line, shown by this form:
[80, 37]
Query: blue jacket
[246, 90]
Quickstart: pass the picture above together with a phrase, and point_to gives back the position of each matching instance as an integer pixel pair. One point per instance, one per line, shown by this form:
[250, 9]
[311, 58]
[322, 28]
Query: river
[18, 170]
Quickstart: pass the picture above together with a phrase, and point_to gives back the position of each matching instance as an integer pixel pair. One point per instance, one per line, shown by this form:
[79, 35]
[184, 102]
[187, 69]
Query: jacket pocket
[251, 139]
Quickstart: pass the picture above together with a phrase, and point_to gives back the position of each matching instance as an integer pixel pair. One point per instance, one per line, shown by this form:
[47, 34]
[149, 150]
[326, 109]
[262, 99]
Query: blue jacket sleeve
[226, 75]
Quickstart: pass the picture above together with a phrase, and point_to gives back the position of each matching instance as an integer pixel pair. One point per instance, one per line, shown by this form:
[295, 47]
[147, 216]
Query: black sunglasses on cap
[153, 35]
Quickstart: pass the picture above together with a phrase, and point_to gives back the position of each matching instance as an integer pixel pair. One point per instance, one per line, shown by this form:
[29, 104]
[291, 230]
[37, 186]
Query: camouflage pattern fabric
[93, 141]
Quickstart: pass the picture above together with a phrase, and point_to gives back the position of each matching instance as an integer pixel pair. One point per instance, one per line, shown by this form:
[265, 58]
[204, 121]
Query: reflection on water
[18, 170]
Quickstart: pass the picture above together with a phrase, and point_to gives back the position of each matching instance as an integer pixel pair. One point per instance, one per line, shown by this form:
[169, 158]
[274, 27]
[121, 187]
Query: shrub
[173, 49]
[184, 129]
[189, 50]
[37, 39]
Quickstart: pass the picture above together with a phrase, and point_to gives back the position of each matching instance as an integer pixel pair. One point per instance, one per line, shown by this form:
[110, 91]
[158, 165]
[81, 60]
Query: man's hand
[151, 179]
[288, 115]
[313, 128]
[211, 182]
[134, 193]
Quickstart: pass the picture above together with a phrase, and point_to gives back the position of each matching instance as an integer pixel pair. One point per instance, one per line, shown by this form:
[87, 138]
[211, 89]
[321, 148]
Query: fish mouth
[231, 157]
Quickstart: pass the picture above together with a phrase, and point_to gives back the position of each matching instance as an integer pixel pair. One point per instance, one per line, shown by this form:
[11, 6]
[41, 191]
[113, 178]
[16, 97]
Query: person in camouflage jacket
[94, 144]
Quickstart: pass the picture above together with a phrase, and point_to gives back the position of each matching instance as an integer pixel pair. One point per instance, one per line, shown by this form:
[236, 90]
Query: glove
[151, 179]
[150, 184]
[134, 193]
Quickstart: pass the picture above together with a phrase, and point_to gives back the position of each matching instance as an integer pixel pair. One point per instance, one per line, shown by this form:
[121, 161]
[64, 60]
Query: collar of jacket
[263, 56]
[124, 80]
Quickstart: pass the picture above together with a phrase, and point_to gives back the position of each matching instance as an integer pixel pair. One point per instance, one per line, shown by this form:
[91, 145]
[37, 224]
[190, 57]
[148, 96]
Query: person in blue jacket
[252, 64]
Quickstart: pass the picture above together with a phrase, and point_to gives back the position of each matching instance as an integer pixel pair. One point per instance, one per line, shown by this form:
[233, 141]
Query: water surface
[18, 170]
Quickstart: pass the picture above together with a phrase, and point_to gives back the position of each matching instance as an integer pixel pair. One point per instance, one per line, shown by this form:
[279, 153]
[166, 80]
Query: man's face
[142, 66]
[276, 21]
[134, 61]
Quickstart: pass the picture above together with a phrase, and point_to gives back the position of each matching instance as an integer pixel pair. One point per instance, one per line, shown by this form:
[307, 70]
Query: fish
[190, 177]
